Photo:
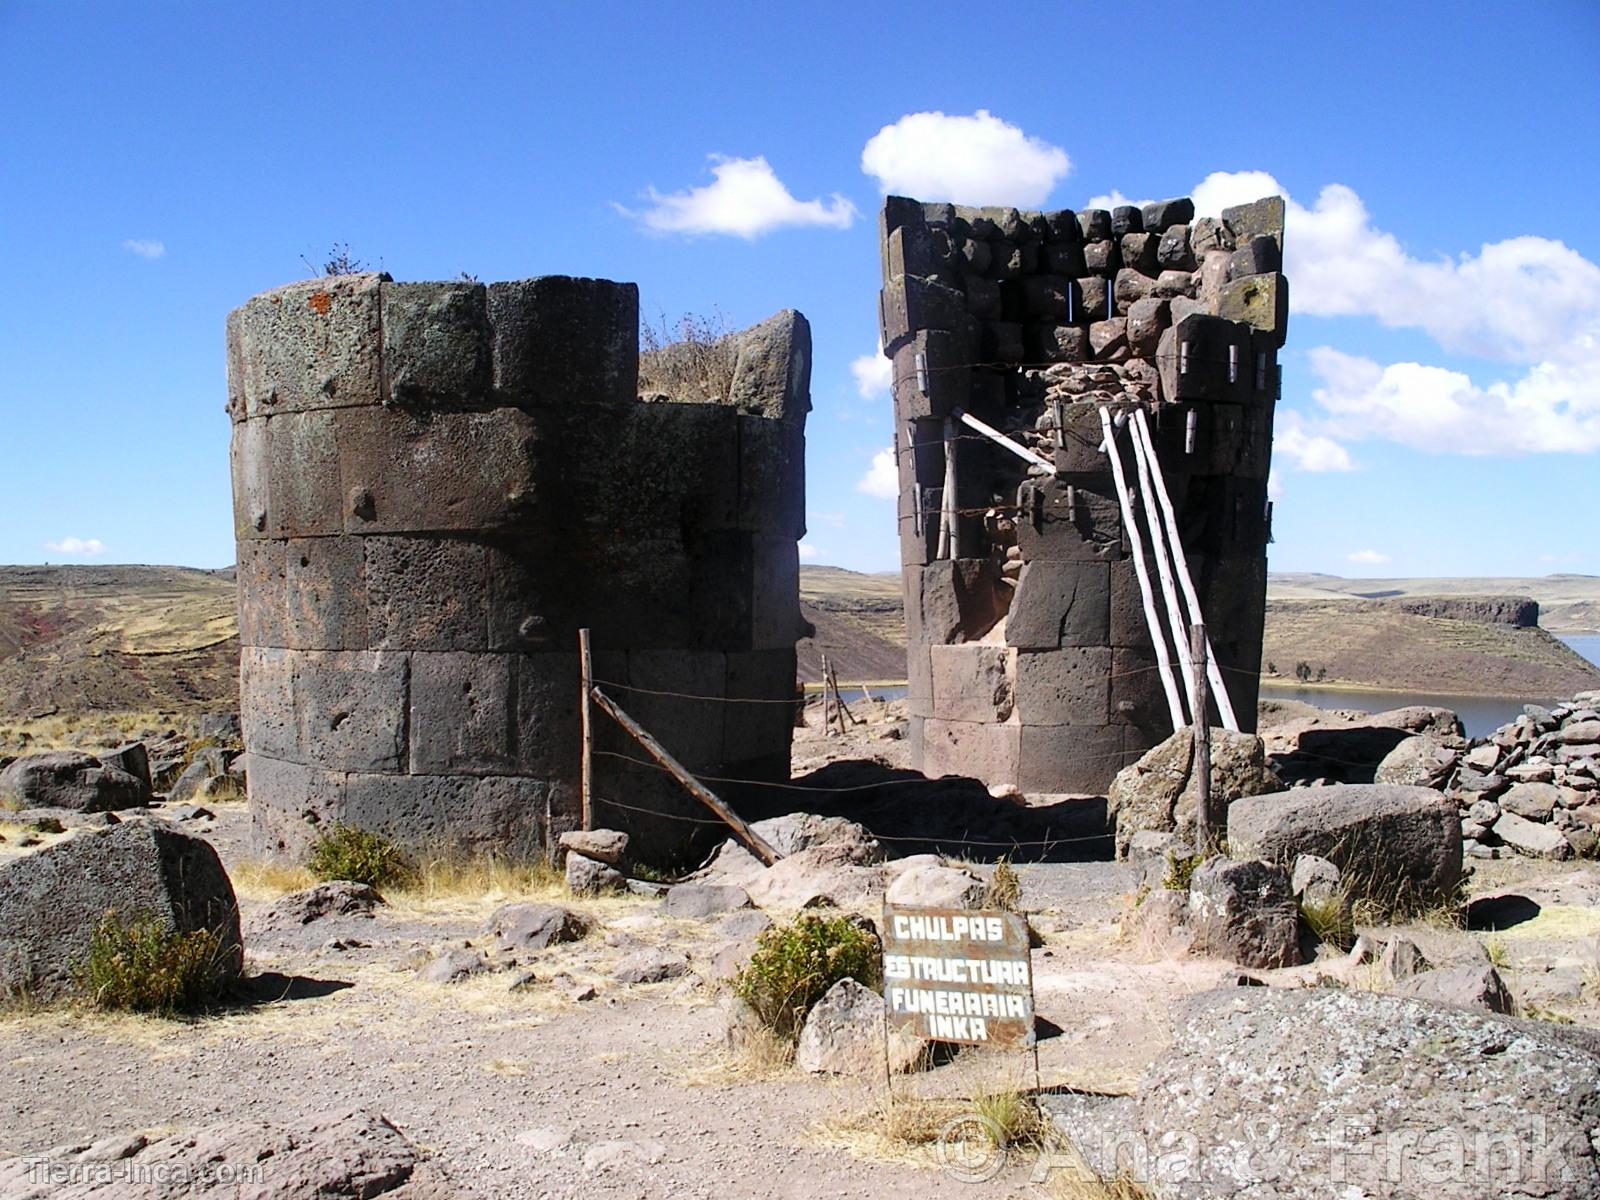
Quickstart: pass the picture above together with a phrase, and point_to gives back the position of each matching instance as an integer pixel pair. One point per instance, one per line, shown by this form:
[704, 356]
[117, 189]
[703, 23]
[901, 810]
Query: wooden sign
[958, 975]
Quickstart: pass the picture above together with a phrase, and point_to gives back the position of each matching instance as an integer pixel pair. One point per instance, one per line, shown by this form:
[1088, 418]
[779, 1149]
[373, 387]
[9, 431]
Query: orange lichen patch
[320, 303]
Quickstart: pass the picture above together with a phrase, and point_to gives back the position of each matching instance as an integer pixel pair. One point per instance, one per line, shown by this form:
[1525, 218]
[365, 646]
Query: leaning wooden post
[827, 719]
[1204, 834]
[586, 725]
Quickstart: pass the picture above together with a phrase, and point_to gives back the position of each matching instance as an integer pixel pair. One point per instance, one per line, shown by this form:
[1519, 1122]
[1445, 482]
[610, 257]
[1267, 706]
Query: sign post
[958, 975]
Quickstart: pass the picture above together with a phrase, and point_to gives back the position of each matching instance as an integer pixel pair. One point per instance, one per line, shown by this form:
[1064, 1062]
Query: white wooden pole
[949, 536]
[1185, 580]
[1157, 636]
[1016, 447]
[1158, 545]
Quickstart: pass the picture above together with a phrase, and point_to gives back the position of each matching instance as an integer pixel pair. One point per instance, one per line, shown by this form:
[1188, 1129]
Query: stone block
[1109, 339]
[1209, 234]
[1078, 450]
[548, 687]
[1094, 224]
[1138, 698]
[1262, 217]
[721, 604]
[303, 498]
[1173, 252]
[460, 721]
[1147, 319]
[772, 373]
[919, 679]
[1094, 293]
[1057, 343]
[1071, 759]
[975, 257]
[908, 304]
[291, 804]
[267, 703]
[350, 708]
[1216, 364]
[250, 462]
[1139, 252]
[1174, 283]
[692, 731]
[436, 352]
[563, 342]
[941, 384]
[1126, 219]
[1129, 288]
[1162, 215]
[1060, 604]
[766, 725]
[1007, 260]
[1047, 297]
[1127, 622]
[970, 750]
[1002, 342]
[1070, 686]
[1072, 519]
[261, 583]
[982, 299]
[1260, 255]
[325, 590]
[917, 518]
[315, 344]
[684, 467]
[1261, 301]
[775, 620]
[772, 479]
[445, 814]
[427, 593]
[1065, 258]
[911, 602]
[973, 682]
[960, 600]
[453, 471]
[1102, 258]
[634, 593]
[918, 250]
[1061, 226]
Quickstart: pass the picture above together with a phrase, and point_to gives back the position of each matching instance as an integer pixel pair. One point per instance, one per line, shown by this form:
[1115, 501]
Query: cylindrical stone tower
[436, 485]
[1030, 659]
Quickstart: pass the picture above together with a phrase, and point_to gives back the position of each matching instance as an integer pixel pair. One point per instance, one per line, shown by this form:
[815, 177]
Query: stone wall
[1029, 659]
[435, 486]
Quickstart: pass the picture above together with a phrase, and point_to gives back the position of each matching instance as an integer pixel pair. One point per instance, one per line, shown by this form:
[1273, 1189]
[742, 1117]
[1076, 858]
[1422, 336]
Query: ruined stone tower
[1030, 658]
[435, 486]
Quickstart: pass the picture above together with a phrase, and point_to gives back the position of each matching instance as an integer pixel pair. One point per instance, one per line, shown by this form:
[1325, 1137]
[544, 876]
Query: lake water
[1481, 715]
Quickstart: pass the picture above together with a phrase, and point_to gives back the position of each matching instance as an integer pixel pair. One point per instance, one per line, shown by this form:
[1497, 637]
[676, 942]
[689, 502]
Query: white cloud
[1368, 557]
[1310, 451]
[979, 159]
[1112, 199]
[808, 552]
[76, 546]
[1274, 485]
[745, 199]
[145, 247]
[874, 374]
[882, 478]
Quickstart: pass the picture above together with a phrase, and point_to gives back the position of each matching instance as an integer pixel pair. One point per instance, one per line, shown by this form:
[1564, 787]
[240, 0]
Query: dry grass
[269, 878]
[692, 361]
[760, 1057]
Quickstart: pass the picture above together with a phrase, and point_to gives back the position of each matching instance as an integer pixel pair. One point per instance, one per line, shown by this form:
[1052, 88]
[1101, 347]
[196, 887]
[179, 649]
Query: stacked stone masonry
[435, 486]
[1030, 662]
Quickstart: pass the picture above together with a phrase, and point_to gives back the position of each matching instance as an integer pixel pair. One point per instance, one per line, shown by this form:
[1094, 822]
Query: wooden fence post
[586, 725]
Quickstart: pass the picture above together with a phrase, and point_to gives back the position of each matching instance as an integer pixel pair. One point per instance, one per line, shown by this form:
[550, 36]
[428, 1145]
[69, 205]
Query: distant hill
[164, 639]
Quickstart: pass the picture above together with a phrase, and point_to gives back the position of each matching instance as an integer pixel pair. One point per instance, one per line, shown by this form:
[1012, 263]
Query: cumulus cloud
[1112, 199]
[882, 478]
[145, 247]
[1532, 302]
[808, 552]
[75, 547]
[744, 199]
[979, 159]
[1368, 558]
[1309, 451]
[874, 374]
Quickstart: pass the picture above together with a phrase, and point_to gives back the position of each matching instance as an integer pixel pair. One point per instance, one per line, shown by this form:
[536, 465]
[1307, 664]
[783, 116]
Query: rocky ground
[552, 1072]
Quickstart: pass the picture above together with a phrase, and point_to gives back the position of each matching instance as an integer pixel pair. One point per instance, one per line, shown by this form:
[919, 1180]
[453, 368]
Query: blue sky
[163, 162]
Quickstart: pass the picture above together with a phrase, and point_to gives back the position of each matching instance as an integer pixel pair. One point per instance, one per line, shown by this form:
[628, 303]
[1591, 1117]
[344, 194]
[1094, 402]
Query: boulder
[587, 877]
[1420, 761]
[1401, 959]
[1330, 746]
[1314, 879]
[452, 966]
[336, 898]
[1399, 847]
[937, 887]
[843, 1034]
[1476, 985]
[651, 966]
[345, 1152]
[794, 832]
[834, 873]
[71, 779]
[1157, 793]
[52, 901]
[697, 901]
[526, 926]
[223, 728]
[1535, 801]
[1263, 1078]
[1244, 912]
[131, 758]
[602, 845]
[1531, 837]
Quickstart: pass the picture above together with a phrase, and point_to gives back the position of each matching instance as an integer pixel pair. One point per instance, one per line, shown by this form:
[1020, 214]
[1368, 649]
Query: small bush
[693, 362]
[795, 964]
[143, 965]
[1180, 870]
[1004, 890]
[359, 855]
[1328, 917]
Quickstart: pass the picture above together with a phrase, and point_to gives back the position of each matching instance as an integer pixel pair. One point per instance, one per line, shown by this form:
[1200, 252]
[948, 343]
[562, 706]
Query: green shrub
[1328, 917]
[1180, 870]
[1004, 889]
[795, 964]
[359, 855]
[143, 965]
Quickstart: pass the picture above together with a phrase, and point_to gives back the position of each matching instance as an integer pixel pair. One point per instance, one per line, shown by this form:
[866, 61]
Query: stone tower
[435, 486]
[1031, 661]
